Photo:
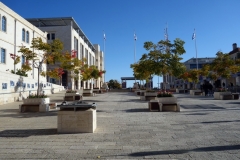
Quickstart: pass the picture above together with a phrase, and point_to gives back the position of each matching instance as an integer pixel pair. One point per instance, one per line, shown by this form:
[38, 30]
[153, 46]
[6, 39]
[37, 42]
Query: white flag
[104, 36]
[135, 37]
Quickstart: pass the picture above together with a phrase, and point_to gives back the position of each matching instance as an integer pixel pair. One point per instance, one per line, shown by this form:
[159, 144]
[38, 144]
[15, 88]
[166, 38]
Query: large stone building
[67, 30]
[15, 31]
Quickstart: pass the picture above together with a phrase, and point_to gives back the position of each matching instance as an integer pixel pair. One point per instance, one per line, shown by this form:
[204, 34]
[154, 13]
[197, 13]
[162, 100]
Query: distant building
[234, 54]
[172, 82]
[73, 38]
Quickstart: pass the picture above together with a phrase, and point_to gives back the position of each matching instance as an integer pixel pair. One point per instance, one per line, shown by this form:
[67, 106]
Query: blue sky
[216, 23]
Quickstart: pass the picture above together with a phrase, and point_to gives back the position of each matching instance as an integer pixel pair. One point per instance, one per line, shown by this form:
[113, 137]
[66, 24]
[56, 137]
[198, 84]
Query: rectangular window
[82, 51]
[48, 36]
[194, 66]
[22, 60]
[53, 36]
[27, 37]
[76, 45]
[90, 59]
[86, 55]
[3, 56]
[23, 35]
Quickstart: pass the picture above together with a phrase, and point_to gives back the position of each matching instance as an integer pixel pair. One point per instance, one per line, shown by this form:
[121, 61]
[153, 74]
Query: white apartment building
[67, 30]
[15, 31]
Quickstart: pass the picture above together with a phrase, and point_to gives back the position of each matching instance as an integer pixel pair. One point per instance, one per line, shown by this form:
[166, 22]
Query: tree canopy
[163, 58]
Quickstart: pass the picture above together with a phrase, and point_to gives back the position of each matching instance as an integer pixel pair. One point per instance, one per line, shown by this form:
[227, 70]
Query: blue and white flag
[194, 35]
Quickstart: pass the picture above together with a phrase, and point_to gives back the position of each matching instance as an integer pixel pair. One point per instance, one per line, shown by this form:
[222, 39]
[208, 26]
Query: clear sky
[216, 23]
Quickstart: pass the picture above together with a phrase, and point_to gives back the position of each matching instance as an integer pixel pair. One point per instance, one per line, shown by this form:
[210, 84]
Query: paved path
[204, 129]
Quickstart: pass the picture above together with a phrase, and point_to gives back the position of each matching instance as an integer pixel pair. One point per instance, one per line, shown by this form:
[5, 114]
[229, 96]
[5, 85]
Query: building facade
[234, 54]
[15, 32]
[193, 63]
[67, 30]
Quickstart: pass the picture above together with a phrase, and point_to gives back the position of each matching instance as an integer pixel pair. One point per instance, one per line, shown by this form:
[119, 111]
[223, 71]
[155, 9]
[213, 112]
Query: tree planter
[217, 94]
[88, 92]
[142, 92]
[72, 96]
[137, 92]
[192, 92]
[96, 90]
[150, 94]
[166, 100]
[168, 104]
[180, 90]
[36, 101]
[35, 105]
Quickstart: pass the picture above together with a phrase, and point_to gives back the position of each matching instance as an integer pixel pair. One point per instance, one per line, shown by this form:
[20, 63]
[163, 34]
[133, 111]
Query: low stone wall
[15, 88]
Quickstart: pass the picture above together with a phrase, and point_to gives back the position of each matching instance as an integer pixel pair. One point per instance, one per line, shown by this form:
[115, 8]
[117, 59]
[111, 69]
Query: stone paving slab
[204, 129]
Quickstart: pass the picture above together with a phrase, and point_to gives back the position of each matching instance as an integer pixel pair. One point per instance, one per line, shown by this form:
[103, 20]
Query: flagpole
[104, 39]
[196, 47]
[135, 38]
[166, 38]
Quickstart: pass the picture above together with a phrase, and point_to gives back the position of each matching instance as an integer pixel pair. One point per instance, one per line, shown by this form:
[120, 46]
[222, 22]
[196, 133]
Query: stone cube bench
[235, 95]
[153, 105]
[156, 105]
[226, 97]
[76, 118]
[198, 93]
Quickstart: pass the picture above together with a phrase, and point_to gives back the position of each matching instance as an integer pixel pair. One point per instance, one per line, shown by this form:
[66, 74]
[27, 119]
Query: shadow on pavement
[202, 106]
[28, 132]
[14, 113]
[201, 149]
[233, 103]
[138, 110]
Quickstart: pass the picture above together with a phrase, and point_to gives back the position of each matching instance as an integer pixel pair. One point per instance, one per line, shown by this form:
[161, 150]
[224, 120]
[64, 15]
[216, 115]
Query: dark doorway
[64, 78]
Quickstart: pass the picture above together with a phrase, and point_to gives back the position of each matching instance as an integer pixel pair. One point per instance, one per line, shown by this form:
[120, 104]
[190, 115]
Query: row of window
[3, 57]
[25, 36]
[50, 36]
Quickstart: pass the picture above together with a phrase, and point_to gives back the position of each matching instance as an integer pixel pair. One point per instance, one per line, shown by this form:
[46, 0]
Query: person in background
[210, 87]
[205, 88]
[223, 84]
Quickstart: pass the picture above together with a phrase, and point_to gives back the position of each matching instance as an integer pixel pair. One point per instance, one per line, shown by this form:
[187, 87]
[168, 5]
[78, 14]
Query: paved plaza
[126, 129]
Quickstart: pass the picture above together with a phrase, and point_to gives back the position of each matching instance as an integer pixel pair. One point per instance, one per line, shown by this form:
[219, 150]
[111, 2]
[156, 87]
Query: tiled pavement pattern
[204, 129]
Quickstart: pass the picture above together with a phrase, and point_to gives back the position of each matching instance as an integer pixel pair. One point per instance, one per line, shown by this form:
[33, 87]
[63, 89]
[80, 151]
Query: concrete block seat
[235, 95]
[76, 117]
[148, 98]
[169, 107]
[226, 97]
[35, 105]
[198, 93]
[33, 108]
[155, 105]
[167, 104]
